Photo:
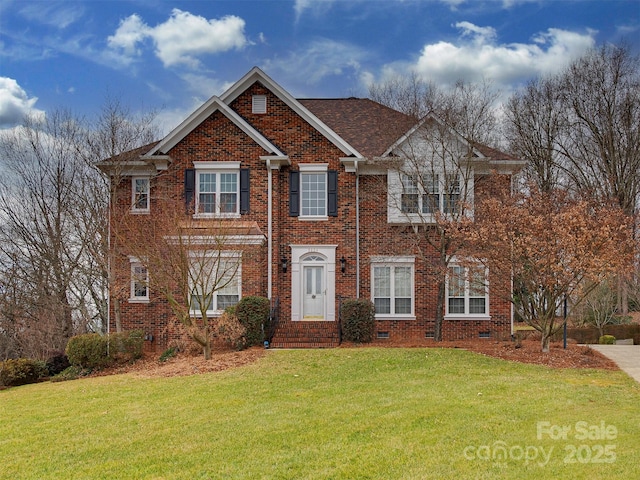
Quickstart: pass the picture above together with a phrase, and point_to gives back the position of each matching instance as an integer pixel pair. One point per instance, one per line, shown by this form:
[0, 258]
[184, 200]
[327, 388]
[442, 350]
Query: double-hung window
[418, 197]
[140, 194]
[392, 290]
[313, 192]
[215, 281]
[139, 281]
[467, 291]
[217, 189]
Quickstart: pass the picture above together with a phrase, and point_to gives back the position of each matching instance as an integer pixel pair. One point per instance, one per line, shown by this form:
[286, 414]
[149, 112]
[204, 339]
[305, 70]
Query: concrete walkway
[626, 356]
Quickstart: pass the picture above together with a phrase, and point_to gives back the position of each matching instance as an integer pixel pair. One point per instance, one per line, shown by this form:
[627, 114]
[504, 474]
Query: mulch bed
[575, 356]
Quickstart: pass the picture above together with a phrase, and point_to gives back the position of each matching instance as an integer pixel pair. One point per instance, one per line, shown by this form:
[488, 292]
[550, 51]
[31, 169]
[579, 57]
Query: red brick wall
[218, 139]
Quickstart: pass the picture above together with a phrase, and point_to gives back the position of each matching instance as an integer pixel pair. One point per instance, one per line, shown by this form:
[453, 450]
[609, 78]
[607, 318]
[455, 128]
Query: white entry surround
[313, 282]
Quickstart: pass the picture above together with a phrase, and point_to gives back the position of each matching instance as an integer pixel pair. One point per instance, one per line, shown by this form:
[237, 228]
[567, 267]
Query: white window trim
[226, 255]
[135, 262]
[218, 168]
[467, 316]
[395, 215]
[315, 168]
[395, 261]
[134, 208]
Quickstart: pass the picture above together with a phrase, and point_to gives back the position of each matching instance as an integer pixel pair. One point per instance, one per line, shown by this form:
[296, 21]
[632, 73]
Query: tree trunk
[437, 328]
[206, 349]
[545, 341]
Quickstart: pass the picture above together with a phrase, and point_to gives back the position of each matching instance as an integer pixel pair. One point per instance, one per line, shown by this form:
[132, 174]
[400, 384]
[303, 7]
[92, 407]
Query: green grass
[325, 414]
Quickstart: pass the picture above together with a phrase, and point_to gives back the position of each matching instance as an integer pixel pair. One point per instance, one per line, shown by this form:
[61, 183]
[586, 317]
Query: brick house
[319, 211]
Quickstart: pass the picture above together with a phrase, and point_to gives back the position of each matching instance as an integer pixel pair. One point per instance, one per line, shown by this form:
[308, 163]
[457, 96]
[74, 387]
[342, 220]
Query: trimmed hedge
[21, 371]
[253, 313]
[91, 350]
[358, 320]
[607, 340]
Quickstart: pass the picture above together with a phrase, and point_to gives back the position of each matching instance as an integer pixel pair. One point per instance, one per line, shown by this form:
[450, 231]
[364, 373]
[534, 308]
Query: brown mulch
[575, 356]
[528, 351]
[185, 364]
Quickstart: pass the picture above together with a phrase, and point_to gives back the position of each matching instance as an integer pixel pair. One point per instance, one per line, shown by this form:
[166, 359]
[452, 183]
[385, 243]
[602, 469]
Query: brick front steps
[304, 334]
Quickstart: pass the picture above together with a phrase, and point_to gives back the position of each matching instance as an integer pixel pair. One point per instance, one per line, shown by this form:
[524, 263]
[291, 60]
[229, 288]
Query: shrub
[126, 346]
[168, 353]
[358, 320]
[231, 330]
[253, 315]
[91, 350]
[607, 340]
[88, 351]
[70, 373]
[21, 371]
[57, 362]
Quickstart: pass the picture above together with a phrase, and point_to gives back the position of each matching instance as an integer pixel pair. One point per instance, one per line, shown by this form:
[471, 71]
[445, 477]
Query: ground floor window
[467, 291]
[215, 280]
[139, 281]
[392, 286]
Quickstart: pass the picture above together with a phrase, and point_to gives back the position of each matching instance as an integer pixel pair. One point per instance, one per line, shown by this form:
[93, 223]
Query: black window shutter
[332, 193]
[294, 194]
[244, 190]
[189, 187]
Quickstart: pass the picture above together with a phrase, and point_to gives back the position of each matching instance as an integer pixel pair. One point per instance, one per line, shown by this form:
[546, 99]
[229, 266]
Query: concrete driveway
[626, 356]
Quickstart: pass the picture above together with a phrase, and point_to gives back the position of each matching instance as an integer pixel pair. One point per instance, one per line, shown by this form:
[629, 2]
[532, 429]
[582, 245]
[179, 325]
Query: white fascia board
[257, 75]
[421, 122]
[200, 115]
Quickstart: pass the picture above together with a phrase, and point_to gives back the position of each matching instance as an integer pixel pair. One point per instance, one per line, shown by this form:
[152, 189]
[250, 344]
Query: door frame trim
[297, 294]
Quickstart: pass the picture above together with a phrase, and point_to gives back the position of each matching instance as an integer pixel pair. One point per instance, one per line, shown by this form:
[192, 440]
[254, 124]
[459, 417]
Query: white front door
[313, 288]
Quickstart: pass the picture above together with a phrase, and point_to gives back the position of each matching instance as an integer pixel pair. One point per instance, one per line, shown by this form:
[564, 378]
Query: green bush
[21, 371]
[167, 354]
[70, 373]
[358, 320]
[91, 350]
[253, 314]
[88, 351]
[126, 346]
[607, 340]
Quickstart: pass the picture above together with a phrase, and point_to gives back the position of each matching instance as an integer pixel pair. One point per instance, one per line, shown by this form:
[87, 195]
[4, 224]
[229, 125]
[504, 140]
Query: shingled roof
[366, 125]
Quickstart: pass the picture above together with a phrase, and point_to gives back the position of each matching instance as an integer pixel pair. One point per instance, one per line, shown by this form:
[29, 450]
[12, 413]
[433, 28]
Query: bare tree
[190, 264]
[535, 125]
[431, 170]
[54, 220]
[556, 247]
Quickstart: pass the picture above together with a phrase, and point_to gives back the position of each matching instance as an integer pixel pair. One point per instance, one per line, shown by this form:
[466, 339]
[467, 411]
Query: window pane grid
[213, 187]
[467, 291]
[393, 290]
[314, 194]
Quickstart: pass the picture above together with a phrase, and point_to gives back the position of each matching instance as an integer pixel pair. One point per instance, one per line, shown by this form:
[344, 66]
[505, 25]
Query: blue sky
[173, 55]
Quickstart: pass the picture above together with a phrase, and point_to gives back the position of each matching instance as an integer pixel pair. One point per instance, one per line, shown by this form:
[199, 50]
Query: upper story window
[140, 187]
[416, 198]
[392, 291]
[217, 189]
[467, 294]
[259, 104]
[313, 192]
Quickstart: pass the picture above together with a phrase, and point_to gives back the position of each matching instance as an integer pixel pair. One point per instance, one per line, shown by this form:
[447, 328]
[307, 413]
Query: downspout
[357, 232]
[269, 231]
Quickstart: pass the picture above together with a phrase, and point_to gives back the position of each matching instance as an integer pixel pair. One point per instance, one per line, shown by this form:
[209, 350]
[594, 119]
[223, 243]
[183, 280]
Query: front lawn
[342, 413]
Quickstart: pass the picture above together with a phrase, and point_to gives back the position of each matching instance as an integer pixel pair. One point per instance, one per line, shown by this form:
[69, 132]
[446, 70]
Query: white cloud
[477, 55]
[132, 30]
[15, 103]
[181, 39]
